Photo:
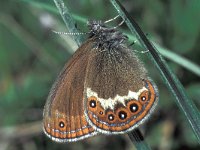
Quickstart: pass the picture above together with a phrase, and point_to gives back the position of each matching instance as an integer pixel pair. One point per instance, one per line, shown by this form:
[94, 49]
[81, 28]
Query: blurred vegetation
[31, 56]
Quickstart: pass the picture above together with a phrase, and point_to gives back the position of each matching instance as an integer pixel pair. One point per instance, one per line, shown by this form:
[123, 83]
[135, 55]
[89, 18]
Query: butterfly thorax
[105, 37]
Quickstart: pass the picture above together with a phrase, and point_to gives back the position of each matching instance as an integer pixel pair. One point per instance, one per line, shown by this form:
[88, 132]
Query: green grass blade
[69, 21]
[135, 135]
[174, 85]
[194, 68]
[187, 64]
[43, 5]
[138, 140]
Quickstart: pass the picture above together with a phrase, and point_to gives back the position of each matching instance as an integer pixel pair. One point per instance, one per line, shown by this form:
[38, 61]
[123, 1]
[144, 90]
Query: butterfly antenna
[141, 52]
[107, 21]
[111, 19]
[69, 33]
[119, 24]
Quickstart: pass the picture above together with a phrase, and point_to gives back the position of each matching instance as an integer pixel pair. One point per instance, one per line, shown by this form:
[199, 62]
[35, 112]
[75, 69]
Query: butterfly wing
[64, 118]
[118, 94]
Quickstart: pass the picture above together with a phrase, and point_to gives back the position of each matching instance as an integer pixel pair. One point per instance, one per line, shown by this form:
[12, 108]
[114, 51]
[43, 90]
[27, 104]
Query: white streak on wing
[110, 103]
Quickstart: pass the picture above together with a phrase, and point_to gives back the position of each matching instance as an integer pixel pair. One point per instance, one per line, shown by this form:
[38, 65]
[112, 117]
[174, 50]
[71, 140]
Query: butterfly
[103, 89]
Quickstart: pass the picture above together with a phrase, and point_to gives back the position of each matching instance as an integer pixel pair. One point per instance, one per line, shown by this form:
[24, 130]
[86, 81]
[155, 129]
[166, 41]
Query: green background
[31, 56]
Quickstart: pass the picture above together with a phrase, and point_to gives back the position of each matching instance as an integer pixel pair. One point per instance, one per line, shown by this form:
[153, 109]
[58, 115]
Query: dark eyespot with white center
[143, 98]
[133, 108]
[111, 117]
[101, 112]
[93, 103]
[122, 115]
[61, 124]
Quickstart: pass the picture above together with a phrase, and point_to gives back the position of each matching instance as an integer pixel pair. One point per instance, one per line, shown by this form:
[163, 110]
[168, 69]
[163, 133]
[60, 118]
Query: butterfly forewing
[64, 118]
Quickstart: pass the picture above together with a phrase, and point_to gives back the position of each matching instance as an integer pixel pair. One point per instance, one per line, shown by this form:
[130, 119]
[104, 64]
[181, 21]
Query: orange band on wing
[59, 129]
[147, 101]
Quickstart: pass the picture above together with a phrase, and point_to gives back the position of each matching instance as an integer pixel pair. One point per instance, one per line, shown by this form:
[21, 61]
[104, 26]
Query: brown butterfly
[103, 88]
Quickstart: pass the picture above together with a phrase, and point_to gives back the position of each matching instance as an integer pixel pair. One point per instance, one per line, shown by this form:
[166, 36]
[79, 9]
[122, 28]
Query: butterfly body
[103, 88]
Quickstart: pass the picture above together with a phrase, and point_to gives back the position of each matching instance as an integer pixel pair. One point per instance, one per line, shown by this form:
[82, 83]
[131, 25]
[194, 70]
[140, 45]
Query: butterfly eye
[122, 115]
[61, 124]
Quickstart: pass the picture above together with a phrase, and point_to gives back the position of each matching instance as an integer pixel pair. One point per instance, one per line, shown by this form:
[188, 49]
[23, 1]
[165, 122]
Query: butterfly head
[104, 36]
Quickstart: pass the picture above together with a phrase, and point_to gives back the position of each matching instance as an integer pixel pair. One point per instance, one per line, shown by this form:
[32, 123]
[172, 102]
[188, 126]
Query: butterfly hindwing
[118, 94]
